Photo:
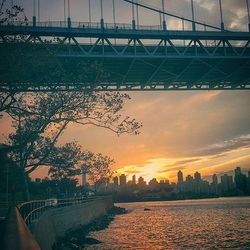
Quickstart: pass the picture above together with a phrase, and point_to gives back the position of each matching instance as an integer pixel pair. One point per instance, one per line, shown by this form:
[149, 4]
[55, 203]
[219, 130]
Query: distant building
[226, 183]
[214, 184]
[197, 176]
[180, 184]
[116, 185]
[141, 183]
[153, 184]
[134, 179]
[214, 179]
[123, 181]
[240, 180]
[189, 184]
[180, 177]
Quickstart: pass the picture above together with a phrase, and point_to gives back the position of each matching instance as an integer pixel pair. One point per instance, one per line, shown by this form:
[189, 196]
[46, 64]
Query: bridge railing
[88, 25]
[32, 210]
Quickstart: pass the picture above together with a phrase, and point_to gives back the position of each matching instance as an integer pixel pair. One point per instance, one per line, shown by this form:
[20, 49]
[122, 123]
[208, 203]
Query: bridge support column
[34, 21]
[102, 23]
[69, 22]
[133, 25]
[222, 26]
[164, 25]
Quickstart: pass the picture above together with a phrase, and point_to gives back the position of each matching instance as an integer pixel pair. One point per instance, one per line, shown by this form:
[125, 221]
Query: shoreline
[79, 238]
[187, 199]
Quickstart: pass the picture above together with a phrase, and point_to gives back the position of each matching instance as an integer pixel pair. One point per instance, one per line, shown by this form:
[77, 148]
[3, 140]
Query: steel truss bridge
[125, 57]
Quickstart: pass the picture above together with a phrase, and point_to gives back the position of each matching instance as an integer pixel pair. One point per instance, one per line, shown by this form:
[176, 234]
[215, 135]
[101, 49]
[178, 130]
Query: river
[222, 223]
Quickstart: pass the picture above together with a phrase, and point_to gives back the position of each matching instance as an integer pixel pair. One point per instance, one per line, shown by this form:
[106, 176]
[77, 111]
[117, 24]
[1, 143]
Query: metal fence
[90, 25]
[32, 210]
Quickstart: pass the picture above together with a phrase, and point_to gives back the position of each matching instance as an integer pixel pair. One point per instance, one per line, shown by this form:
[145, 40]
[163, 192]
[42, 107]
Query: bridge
[98, 56]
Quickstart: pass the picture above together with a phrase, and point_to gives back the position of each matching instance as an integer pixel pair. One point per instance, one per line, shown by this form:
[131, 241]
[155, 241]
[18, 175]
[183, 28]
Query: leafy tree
[40, 119]
[11, 178]
[65, 161]
[14, 13]
[98, 167]
[7, 16]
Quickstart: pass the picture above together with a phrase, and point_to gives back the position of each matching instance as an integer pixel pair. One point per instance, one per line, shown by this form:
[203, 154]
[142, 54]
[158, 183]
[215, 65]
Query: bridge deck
[178, 60]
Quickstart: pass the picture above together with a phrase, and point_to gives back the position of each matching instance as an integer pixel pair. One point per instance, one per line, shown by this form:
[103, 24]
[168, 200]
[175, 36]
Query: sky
[206, 131]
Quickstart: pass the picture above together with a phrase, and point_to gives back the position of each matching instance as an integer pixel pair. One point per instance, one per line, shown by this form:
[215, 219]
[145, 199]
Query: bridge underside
[107, 65]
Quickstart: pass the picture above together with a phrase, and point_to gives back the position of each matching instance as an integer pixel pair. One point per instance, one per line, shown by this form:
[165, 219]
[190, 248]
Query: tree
[98, 167]
[7, 100]
[11, 179]
[7, 16]
[40, 119]
[64, 161]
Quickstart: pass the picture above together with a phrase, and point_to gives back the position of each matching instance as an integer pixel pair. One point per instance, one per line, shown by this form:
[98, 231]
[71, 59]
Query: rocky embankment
[78, 239]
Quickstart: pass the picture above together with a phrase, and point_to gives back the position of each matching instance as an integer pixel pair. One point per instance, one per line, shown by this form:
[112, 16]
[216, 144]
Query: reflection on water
[200, 224]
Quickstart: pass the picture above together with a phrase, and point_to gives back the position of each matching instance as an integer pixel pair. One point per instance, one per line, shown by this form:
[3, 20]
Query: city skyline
[180, 176]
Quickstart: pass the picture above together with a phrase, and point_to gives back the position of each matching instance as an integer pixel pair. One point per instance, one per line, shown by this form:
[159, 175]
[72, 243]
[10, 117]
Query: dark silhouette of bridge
[126, 57]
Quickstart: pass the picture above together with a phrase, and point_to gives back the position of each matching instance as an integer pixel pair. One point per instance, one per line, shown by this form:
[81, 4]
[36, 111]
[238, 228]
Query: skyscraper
[180, 177]
[197, 176]
[226, 183]
[180, 184]
[197, 182]
[240, 180]
[237, 171]
[123, 181]
[115, 179]
[214, 184]
[134, 179]
[215, 179]
[189, 185]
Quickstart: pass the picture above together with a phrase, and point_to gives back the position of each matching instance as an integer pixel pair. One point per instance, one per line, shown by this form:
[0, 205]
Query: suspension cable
[172, 15]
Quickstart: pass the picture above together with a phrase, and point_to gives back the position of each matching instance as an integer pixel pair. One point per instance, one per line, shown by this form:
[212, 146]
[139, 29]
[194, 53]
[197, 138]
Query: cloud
[225, 146]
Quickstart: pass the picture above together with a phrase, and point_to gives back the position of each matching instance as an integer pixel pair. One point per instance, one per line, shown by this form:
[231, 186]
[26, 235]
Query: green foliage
[65, 161]
[40, 119]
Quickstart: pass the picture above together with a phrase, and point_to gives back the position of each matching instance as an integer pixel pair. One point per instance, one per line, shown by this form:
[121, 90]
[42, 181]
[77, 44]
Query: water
[201, 224]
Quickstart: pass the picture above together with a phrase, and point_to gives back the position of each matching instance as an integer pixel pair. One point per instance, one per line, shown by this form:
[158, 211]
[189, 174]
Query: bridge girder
[178, 60]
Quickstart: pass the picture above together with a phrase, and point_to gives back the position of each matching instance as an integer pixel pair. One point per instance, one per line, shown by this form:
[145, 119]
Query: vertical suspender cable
[101, 10]
[163, 15]
[114, 19]
[69, 19]
[102, 21]
[90, 18]
[133, 10]
[160, 20]
[221, 16]
[137, 15]
[133, 14]
[248, 14]
[163, 9]
[64, 10]
[68, 8]
[205, 29]
[34, 7]
[183, 29]
[38, 10]
[34, 13]
[192, 8]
